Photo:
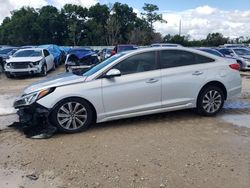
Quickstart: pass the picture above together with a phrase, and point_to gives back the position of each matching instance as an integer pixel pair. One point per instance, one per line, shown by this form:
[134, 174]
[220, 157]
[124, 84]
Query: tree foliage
[98, 25]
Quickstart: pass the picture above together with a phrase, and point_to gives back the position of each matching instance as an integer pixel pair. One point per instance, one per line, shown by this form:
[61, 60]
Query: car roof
[126, 45]
[24, 49]
[141, 50]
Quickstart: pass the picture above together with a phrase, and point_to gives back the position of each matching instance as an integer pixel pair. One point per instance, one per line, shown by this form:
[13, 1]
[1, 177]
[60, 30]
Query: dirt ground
[177, 149]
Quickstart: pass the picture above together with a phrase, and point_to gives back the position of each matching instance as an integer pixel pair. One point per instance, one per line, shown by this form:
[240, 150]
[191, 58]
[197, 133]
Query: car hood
[82, 54]
[24, 59]
[4, 56]
[54, 81]
[246, 56]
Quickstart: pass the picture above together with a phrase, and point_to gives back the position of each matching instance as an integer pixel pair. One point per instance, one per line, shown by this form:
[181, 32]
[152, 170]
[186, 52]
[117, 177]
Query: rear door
[137, 89]
[183, 74]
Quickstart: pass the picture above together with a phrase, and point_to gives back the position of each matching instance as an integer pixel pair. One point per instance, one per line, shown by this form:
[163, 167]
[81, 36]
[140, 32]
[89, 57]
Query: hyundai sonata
[134, 83]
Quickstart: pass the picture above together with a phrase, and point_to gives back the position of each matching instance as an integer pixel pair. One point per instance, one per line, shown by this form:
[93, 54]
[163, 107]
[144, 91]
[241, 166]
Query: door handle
[152, 80]
[197, 73]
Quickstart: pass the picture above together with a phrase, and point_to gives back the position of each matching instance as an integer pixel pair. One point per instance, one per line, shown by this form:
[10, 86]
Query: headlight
[36, 63]
[7, 65]
[29, 99]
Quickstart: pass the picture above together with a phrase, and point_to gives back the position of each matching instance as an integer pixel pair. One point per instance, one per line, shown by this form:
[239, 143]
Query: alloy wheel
[72, 116]
[212, 101]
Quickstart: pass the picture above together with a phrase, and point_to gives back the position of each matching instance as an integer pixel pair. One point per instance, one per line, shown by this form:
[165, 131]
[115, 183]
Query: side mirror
[113, 73]
[232, 54]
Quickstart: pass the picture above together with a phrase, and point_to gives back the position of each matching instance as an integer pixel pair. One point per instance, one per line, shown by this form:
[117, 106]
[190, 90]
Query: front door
[137, 89]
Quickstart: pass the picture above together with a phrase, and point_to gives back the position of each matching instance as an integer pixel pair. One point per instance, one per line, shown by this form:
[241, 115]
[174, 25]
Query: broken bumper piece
[33, 115]
[34, 122]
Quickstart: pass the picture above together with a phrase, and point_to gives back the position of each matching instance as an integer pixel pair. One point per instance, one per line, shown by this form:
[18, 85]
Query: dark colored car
[5, 53]
[124, 47]
[212, 51]
[80, 59]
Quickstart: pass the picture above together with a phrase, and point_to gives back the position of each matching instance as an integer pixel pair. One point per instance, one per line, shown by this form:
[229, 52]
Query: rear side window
[138, 63]
[177, 58]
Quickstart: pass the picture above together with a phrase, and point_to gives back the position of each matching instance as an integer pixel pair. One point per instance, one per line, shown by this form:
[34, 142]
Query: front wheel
[72, 115]
[210, 101]
[44, 70]
[8, 75]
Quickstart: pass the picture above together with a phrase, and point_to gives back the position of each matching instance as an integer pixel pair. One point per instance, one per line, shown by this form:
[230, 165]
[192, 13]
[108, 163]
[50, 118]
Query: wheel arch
[215, 83]
[76, 97]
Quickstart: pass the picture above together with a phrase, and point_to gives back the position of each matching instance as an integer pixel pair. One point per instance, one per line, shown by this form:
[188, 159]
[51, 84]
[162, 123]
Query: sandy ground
[177, 149]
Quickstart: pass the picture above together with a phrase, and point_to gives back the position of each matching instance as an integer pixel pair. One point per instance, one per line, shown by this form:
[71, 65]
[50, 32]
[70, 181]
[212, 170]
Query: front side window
[177, 58]
[46, 53]
[138, 63]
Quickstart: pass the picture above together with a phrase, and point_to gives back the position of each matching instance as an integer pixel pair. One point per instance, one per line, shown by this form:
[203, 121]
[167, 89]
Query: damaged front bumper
[33, 115]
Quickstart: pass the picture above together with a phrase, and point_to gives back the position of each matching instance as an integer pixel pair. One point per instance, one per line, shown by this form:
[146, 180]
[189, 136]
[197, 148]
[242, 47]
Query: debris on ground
[32, 176]
[36, 131]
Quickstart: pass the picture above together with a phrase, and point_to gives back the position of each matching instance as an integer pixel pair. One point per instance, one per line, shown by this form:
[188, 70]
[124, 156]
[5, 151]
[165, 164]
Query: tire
[72, 115]
[210, 101]
[8, 75]
[44, 70]
[54, 67]
[240, 63]
[1, 68]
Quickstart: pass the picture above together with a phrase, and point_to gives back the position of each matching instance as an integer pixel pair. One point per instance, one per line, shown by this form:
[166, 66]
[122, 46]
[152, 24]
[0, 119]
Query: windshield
[80, 51]
[126, 48]
[6, 51]
[242, 51]
[28, 53]
[214, 52]
[103, 64]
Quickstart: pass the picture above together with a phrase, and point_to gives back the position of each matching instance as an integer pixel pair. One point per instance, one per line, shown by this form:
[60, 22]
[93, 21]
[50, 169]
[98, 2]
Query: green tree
[51, 25]
[215, 39]
[96, 25]
[75, 18]
[21, 28]
[151, 15]
[141, 34]
[124, 18]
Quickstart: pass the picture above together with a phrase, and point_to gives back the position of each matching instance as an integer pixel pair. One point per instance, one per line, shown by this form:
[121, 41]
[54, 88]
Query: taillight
[235, 66]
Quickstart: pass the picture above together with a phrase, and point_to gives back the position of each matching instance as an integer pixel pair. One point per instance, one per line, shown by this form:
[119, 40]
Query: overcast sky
[229, 17]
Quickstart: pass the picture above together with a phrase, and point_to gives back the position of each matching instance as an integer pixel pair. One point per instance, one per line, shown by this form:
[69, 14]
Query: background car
[29, 61]
[241, 54]
[5, 53]
[105, 53]
[166, 45]
[58, 54]
[80, 59]
[123, 47]
[212, 51]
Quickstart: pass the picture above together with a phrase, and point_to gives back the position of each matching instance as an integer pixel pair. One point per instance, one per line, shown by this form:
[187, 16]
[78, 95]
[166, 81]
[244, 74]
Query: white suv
[29, 61]
[129, 84]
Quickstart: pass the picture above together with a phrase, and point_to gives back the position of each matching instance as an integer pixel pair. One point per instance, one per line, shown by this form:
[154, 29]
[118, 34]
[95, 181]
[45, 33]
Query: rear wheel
[72, 115]
[210, 101]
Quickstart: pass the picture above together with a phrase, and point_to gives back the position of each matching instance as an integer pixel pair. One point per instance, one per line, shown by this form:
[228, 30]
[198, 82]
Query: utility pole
[180, 28]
